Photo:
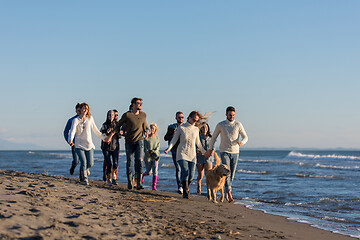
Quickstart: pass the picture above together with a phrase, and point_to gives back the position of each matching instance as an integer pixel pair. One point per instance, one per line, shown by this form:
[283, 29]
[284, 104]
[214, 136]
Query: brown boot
[134, 182]
[108, 179]
[114, 177]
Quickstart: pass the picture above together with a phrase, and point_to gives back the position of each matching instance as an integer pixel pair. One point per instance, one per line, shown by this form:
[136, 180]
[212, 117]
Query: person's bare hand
[208, 153]
[108, 139]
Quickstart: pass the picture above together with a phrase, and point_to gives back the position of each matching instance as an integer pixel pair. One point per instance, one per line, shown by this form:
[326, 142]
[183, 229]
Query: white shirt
[230, 133]
[189, 137]
[82, 131]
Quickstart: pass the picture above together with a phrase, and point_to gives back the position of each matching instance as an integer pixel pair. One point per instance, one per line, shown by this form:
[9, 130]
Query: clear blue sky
[291, 68]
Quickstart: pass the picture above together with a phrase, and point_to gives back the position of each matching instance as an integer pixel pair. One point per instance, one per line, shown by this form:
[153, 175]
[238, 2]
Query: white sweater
[82, 131]
[189, 137]
[229, 134]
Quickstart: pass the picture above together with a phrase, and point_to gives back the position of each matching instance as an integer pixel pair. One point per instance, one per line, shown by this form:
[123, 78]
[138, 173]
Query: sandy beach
[39, 206]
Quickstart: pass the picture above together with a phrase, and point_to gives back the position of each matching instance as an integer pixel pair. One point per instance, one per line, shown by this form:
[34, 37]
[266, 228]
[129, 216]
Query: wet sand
[38, 206]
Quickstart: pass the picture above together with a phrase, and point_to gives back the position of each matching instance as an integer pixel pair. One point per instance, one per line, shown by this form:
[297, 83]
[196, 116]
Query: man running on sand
[229, 131]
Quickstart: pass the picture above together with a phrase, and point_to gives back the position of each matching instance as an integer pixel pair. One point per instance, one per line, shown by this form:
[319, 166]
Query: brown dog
[215, 180]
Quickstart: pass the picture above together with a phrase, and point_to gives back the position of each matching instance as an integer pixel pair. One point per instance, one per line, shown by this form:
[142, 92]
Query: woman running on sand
[110, 150]
[81, 129]
[203, 163]
[188, 134]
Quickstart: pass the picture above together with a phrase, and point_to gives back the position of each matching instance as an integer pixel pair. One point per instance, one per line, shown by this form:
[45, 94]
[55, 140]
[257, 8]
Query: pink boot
[143, 176]
[154, 183]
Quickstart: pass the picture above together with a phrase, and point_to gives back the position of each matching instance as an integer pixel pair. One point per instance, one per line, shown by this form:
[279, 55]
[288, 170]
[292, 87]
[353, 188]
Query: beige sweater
[189, 139]
[230, 133]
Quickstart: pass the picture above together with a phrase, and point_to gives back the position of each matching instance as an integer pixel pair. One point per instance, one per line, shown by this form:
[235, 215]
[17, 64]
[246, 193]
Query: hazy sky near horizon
[290, 68]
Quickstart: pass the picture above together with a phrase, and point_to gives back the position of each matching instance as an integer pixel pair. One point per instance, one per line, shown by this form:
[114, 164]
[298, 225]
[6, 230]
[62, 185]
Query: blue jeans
[137, 149]
[86, 161]
[230, 159]
[187, 170]
[177, 168]
[75, 160]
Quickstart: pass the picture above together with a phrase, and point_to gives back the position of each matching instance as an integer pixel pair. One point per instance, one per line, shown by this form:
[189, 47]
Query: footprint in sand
[34, 210]
[5, 215]
[89, 237]
[15, 227]
[72, 224]
[94, 200]
[73, 216]
[130, 235]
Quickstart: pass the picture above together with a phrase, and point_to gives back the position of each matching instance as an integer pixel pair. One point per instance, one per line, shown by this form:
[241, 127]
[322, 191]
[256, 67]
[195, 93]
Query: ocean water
[321, 188]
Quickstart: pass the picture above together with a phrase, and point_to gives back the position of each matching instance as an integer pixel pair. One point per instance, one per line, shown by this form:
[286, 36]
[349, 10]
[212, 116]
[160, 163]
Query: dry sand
[38, 206]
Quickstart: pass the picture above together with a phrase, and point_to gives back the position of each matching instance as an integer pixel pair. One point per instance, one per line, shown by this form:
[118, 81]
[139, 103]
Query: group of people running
[191, 144]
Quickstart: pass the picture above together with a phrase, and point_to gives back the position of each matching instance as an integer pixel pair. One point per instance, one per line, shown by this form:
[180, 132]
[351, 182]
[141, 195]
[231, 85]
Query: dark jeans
[105, 165]
[137, 149]
[108, 155]
[177, 167]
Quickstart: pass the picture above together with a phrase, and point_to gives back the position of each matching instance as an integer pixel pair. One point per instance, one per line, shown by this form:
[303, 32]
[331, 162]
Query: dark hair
[208, 132]
[230, 109]
[107, 117]
[78, 105]
[135, 99]
[177, 113]
[115, 111]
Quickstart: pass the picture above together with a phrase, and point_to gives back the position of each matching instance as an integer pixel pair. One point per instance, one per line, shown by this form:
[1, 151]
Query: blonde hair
[156, 128]
[203, 119]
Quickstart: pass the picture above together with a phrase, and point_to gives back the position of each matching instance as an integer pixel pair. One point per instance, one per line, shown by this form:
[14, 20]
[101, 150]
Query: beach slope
[38, 206]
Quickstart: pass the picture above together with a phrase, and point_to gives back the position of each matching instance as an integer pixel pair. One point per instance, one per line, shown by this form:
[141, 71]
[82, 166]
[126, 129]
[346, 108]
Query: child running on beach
[188, 134]
[81, 129]
[152, 154]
